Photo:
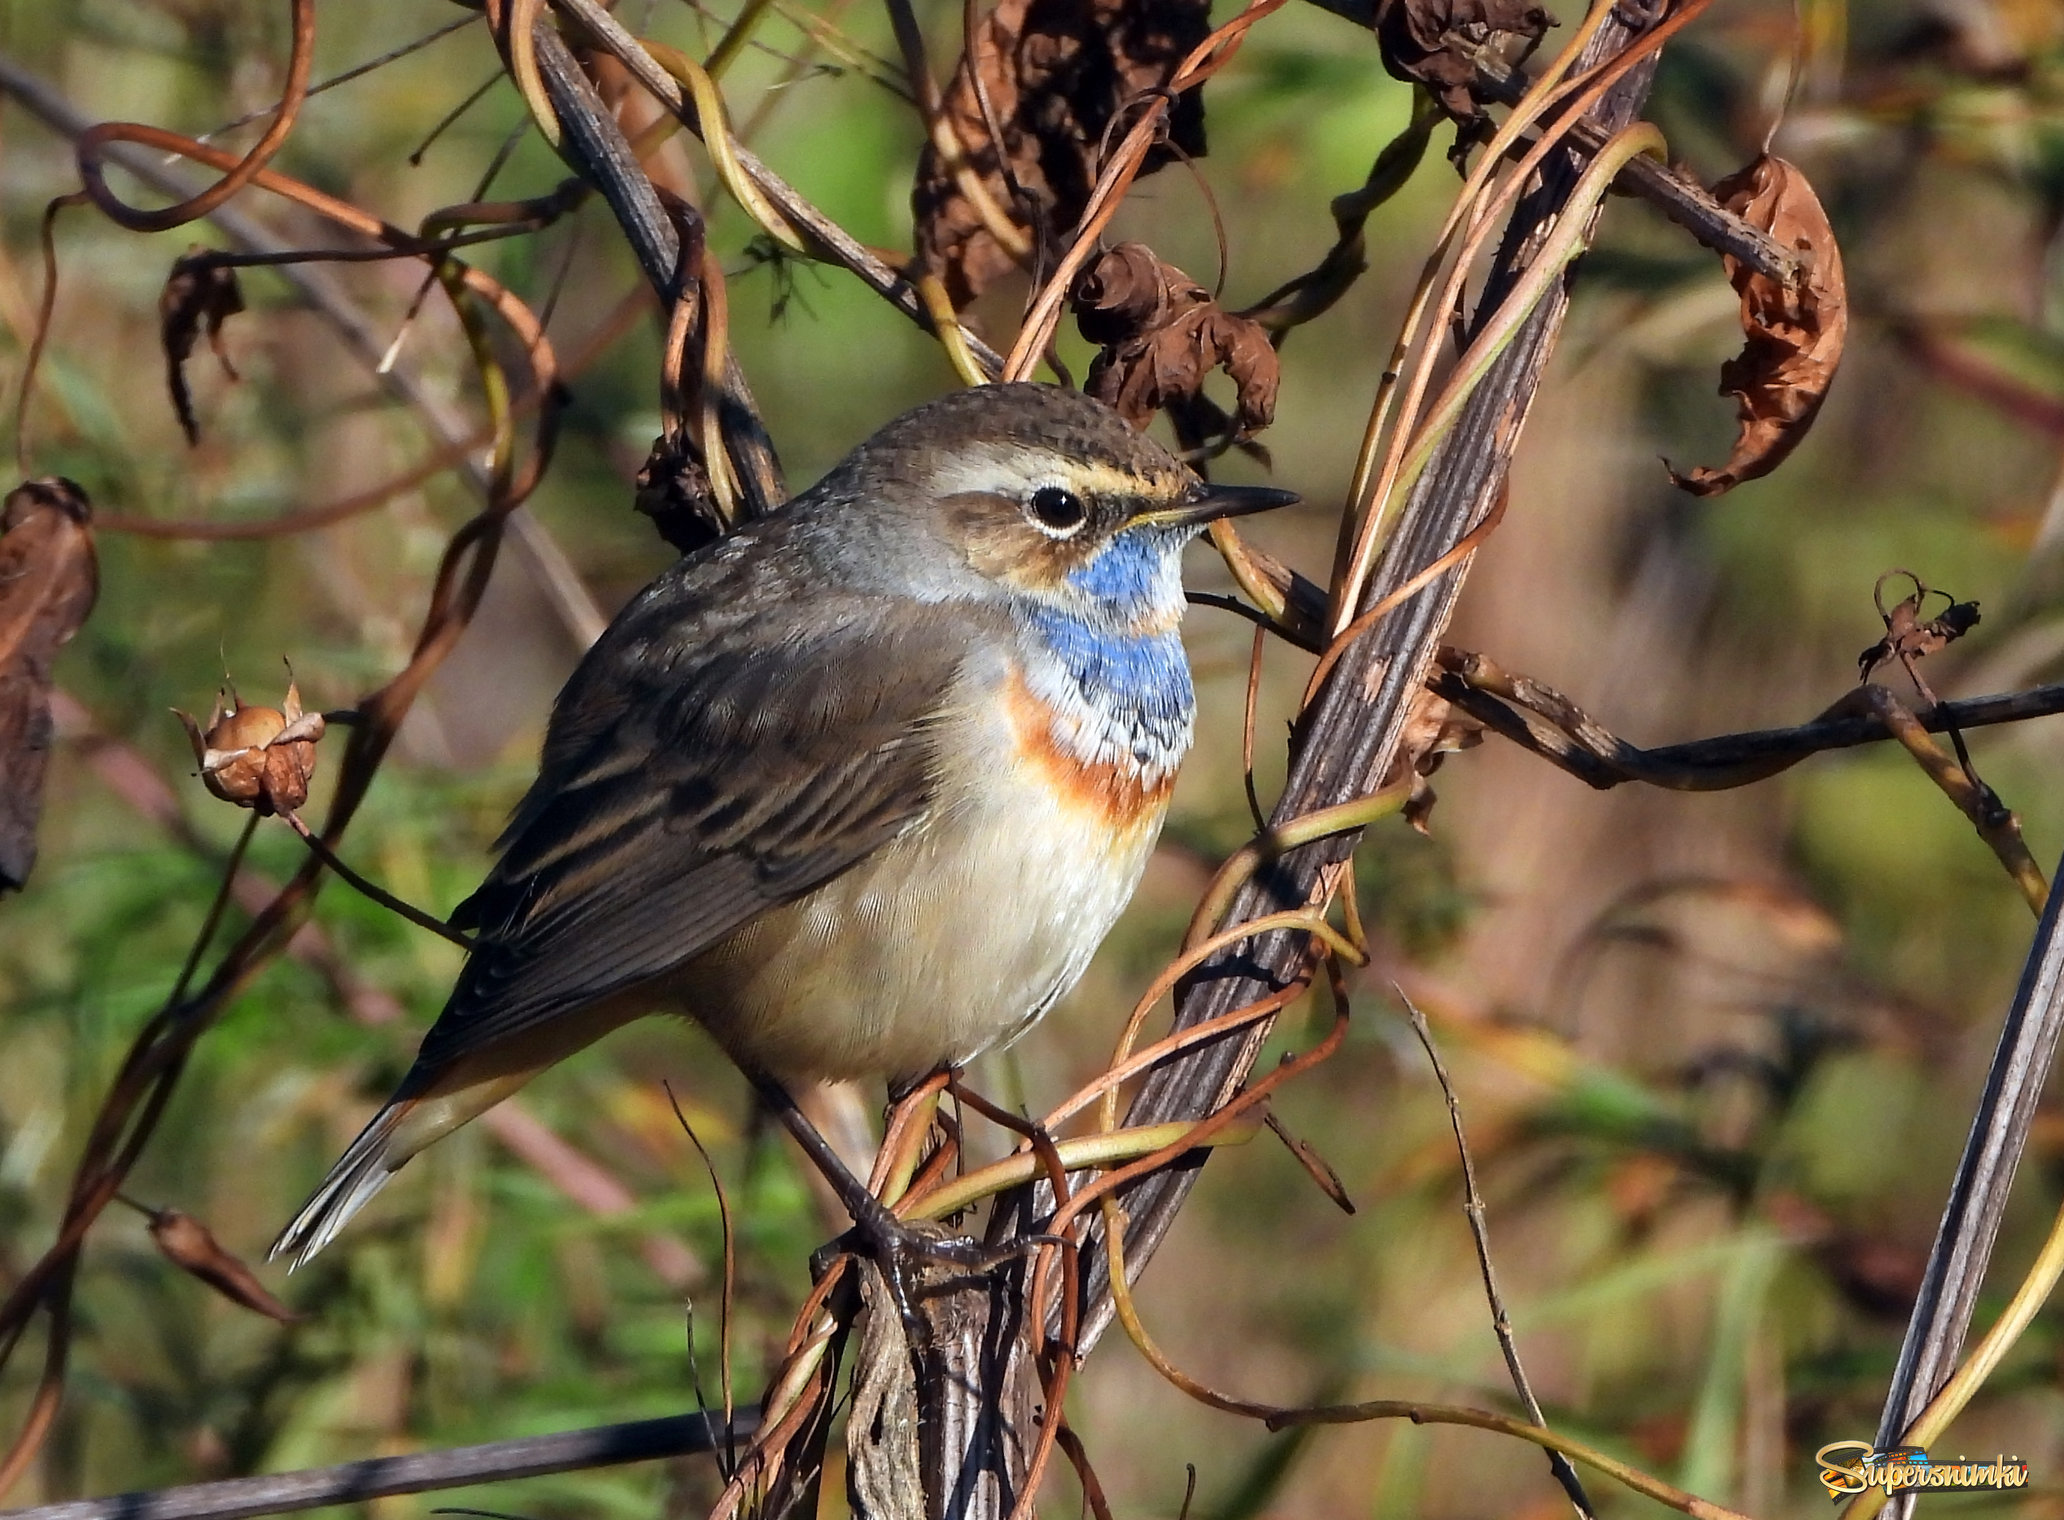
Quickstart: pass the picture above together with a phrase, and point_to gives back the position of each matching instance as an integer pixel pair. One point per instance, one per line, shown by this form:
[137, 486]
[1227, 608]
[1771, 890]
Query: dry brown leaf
[199, 296]
[1907, 638]
[49, 579]
[192, 1247]
[1434, 43]
[1162, 334]
[1057, 73]
[1793, 338]
[1433, 730]
[257, 757]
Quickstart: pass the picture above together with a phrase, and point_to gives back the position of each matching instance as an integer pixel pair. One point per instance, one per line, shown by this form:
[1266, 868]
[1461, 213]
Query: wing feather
[723, 750]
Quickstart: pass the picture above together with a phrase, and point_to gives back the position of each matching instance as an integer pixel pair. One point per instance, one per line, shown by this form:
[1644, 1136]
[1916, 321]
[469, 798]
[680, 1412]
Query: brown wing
[729, 746]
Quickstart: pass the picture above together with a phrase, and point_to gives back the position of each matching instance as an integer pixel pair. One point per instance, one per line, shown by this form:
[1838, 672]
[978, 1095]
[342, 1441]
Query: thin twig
[380, 895]
[1482, 1419]
[356, 71]
[680, 1435]
[1995, 822]
[1683, 200]
[1539, 718]
[213, 921]
[1479, 1231]
[724, 1303]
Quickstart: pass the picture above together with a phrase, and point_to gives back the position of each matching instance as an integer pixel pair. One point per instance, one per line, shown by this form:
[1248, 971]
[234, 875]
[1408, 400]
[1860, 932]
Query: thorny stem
[1479, 1232]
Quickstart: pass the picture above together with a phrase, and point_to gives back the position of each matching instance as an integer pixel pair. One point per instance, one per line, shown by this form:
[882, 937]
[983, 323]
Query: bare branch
[1479, 1231]
[544, 558]
[680, 1435]
[1537, 717]
[1978, 1197]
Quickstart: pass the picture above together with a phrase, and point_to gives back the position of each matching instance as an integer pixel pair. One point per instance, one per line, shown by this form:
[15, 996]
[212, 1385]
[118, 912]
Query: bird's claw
[901, 1251]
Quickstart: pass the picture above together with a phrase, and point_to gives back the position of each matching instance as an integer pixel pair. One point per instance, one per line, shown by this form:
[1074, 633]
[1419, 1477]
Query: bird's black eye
[1058, 510]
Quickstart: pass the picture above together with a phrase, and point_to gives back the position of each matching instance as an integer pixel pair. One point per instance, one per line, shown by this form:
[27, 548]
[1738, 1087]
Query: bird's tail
[360, 1172]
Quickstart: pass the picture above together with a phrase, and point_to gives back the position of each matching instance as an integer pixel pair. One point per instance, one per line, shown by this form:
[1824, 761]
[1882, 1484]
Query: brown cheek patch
[1120, 794]
[1002, 546]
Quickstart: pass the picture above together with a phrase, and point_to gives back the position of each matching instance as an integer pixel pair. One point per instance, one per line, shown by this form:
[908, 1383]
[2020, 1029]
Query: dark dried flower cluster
[1056, 74]
[1161, 334]
[1436, 43]
[199, 296]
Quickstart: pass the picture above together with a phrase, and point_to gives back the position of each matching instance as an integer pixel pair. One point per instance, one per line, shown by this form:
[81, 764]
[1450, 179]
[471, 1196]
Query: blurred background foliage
[1717, 1052]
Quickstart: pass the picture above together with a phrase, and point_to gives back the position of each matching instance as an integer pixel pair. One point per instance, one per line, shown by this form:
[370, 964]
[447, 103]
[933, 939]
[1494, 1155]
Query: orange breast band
[1118, 789]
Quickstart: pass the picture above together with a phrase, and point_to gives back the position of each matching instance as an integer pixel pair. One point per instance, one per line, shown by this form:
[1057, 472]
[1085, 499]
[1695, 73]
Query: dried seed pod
[192, 1247]
[257, 757]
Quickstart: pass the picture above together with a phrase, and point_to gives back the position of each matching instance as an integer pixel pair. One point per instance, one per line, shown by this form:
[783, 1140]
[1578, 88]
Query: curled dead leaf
[1161, 334]
[257, 757]
[1433, 730]
[1435, 43]
[1907, 638]
[1793, 337]
[199, 296]
[49, 580]
[1056, 74]
[192, 1247]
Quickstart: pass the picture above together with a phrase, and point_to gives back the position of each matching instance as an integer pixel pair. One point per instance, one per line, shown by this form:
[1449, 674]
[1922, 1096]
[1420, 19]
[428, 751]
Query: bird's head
[1047, 494]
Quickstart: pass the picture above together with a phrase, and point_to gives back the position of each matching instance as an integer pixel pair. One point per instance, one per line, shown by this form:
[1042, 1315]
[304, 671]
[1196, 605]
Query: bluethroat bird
[861, 787]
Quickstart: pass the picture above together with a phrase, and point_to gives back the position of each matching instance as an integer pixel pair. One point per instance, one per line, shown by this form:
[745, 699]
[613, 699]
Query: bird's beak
[1210, 502]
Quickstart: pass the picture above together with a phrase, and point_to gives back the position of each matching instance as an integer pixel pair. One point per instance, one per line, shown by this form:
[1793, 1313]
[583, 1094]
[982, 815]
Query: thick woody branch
[1682, 199]
[1349, 741]
[595, 146]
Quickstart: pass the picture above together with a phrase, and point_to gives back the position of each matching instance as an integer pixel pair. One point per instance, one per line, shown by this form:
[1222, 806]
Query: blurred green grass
[1713, 1159]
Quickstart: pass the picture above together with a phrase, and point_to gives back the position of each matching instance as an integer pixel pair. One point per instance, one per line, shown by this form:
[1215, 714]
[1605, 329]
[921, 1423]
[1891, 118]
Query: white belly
[950, 942]
[958, 935]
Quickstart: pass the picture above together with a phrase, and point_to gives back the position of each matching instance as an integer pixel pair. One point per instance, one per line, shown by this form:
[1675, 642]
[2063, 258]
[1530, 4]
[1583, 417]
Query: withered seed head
[257, 757]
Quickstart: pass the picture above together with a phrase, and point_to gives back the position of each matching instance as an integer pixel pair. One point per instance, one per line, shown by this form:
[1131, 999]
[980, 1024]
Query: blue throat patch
[1141, 681]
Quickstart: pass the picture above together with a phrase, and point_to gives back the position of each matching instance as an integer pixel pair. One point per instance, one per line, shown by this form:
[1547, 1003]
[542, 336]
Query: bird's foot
[903, 1251]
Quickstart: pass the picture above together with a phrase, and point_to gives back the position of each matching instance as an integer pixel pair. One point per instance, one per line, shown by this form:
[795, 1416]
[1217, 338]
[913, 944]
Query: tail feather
[359, 1173]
